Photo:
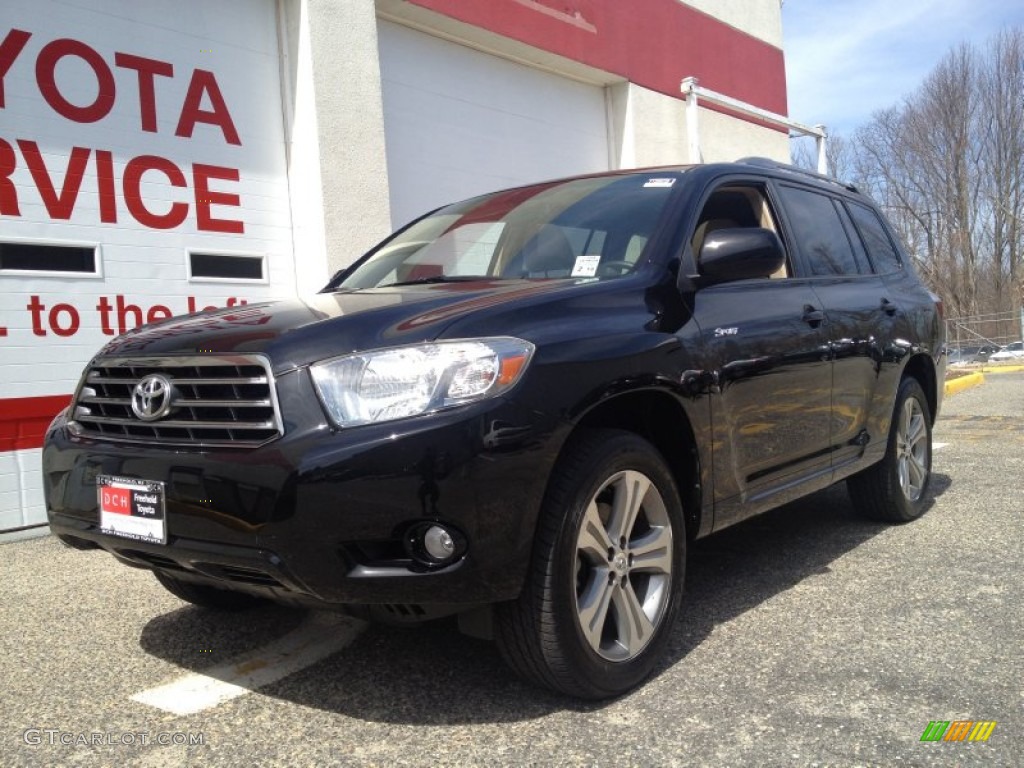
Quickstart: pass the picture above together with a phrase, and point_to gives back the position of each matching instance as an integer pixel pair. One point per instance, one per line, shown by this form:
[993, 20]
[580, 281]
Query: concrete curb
[1002, 369]
[961, 383]
[24, 534]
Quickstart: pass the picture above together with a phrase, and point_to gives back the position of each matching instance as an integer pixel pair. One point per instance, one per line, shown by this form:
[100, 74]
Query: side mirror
[741, 254]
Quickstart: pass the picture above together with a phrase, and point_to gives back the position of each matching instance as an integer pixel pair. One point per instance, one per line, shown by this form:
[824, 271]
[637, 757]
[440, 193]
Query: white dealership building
[157, 158]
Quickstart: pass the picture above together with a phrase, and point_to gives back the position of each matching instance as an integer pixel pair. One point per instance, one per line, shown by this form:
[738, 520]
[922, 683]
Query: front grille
[214, 401]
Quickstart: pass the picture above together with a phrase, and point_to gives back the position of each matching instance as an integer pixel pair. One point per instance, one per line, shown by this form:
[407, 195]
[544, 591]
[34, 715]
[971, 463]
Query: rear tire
[606, 577]
[205, 596]
[894, 489]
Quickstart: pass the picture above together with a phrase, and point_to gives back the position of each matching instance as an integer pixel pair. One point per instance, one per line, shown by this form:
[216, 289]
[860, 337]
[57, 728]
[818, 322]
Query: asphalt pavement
[809, 637]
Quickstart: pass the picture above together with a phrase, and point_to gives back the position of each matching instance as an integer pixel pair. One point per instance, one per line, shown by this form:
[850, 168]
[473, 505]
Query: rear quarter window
[876, 240]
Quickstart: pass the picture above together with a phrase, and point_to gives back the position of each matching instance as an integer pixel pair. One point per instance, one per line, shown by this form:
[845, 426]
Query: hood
[295, 332]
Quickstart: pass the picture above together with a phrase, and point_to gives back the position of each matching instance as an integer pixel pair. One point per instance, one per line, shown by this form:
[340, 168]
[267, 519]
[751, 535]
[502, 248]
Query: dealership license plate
[132, 509]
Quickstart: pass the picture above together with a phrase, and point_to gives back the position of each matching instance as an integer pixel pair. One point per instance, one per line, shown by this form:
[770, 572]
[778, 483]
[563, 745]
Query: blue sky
[846, 59]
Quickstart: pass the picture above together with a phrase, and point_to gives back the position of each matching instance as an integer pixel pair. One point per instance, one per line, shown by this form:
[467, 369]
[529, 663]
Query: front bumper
[319, 515]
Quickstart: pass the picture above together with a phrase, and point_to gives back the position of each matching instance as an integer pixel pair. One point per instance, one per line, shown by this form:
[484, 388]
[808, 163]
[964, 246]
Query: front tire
[894, 489]
[606, 576]
[205, 596]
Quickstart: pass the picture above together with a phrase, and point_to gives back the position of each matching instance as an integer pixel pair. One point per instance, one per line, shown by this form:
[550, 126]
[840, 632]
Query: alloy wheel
[912, 450]
[623, 566]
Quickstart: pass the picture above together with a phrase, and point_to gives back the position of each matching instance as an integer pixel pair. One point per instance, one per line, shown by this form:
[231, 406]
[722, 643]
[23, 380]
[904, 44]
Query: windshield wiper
[441, 279]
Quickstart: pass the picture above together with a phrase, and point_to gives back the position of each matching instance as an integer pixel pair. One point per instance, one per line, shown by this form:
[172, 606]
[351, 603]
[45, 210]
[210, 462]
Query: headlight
[395, 383]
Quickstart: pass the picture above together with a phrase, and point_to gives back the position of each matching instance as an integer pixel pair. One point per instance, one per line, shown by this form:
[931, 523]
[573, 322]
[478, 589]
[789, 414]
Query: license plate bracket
[132, 509]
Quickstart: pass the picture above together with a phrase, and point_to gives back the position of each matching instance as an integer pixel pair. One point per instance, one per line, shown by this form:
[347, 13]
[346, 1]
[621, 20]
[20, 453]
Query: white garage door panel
[75, 52]
[459, 122]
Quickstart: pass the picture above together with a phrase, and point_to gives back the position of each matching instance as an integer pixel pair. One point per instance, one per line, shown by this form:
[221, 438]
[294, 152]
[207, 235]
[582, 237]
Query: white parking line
[938, 446]
[320, 635]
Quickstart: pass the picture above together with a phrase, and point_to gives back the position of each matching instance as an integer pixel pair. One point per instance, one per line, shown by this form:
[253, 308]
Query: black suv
[519, 409]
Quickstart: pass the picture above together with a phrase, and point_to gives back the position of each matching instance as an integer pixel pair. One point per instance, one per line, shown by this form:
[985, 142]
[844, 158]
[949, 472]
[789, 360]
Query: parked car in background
[1014, 351]
[982, 353]
[519, 409]
[957, 357]
[967, 355]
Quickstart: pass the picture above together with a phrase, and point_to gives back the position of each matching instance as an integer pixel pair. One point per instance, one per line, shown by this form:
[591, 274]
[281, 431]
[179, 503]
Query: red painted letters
[59, 206]
[204, 103]
[205, 197]
[8, 192]
[204, 82]
[133, 192]
[9, 50]
[46, 71]
[147, 70]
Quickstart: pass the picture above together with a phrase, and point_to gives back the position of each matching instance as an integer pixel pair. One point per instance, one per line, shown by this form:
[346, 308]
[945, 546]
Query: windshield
[584, 228]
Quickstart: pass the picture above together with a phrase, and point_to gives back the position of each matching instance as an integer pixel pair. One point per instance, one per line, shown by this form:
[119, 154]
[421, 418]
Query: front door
[767, 346]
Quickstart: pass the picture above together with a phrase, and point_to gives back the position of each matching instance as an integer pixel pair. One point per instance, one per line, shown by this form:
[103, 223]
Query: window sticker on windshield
[585, 266]
[663, 183]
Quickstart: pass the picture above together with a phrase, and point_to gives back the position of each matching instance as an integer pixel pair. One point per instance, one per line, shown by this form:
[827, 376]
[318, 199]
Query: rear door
[916, 323]
[860, 309]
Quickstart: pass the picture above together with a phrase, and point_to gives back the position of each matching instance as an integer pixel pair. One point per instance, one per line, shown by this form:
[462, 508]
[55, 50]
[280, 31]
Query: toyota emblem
[151, 398]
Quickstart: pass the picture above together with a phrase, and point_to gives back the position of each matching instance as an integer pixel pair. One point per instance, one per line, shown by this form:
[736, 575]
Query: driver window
[734, 207]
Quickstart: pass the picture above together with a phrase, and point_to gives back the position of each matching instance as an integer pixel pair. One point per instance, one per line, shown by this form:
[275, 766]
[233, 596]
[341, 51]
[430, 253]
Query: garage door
[459, 122]
[142, 175]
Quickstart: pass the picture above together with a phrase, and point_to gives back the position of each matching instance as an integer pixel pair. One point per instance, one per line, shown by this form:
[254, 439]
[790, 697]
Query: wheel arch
[922, 368]
[660, 419]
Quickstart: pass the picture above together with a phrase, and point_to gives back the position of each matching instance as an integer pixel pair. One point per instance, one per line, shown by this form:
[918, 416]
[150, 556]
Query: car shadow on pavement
[434, 675]
[193, 638]
[740, 568]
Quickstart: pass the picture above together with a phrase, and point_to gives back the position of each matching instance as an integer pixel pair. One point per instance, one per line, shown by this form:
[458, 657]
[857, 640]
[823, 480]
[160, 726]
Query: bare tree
[1002, 89]
[839, 153]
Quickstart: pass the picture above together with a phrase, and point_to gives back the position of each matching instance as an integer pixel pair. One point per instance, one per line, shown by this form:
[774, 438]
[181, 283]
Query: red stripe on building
[23, 420]
[653, 43]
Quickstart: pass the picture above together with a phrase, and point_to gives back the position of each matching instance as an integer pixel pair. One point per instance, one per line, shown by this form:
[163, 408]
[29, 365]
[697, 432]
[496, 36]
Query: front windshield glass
[585, 228]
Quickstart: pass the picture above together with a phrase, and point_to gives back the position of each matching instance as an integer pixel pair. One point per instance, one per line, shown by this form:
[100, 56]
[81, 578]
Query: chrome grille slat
[265, 403]
[190, 382]
[181, 403]
[225, 381]
[217, 400]
[172, 423]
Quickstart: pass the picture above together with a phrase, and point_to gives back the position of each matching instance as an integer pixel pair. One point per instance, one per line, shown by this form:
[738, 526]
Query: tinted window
[879, 246]
[229, 267]
[47, 258]
[819, 232]
[859, 254]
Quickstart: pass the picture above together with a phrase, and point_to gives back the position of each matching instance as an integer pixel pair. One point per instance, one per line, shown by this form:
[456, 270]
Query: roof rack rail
[767, 162]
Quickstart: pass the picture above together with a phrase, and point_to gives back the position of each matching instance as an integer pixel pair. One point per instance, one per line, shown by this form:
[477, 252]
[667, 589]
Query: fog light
[438, 543]
[433, 545]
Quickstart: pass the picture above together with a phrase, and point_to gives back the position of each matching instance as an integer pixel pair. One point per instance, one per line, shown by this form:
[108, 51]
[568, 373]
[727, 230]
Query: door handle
[813, 317]
[888, 307]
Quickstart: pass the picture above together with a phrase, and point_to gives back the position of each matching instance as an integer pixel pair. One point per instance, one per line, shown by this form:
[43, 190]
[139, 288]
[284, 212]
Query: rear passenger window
[859, 254]
[880, 247]
[819, 232]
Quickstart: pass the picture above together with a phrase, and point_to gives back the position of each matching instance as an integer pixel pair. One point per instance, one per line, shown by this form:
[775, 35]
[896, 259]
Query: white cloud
[846, 59]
